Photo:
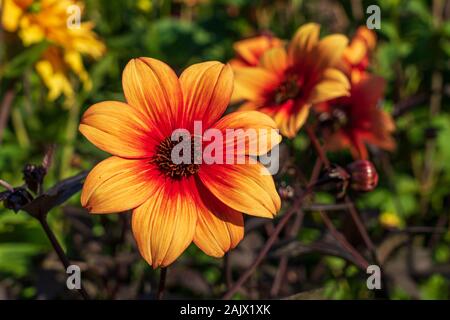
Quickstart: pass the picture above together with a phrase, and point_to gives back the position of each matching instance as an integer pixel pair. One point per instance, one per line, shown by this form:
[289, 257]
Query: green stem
[71, 134]
[19, 128]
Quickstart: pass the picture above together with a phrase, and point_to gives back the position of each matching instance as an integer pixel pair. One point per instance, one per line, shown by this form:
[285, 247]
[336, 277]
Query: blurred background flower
[284, 83]
[36, 21]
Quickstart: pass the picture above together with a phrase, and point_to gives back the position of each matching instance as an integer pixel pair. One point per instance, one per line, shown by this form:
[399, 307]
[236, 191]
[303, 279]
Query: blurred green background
[412, 53]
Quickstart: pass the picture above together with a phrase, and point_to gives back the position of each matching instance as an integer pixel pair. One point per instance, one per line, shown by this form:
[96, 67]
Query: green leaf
[15, 257]
[23, 61]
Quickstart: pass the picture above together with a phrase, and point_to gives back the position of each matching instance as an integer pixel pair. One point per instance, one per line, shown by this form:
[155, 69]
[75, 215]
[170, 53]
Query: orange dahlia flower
[249, 51]
[356, 57]
[351, 122]
[287, 82]
[174, 204]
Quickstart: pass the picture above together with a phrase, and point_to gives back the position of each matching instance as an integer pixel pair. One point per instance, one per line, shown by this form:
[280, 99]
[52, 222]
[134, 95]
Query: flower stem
[318, 147]
[59, 251]
[363, 264]
[5, 109]
[71, 134]
[269, 243]
[6, 185]
[360, 226]
[162, 284]
[227, 270]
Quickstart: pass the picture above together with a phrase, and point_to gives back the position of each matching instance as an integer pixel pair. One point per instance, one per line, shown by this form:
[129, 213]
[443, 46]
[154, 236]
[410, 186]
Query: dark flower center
[163, 159]
[335, 119]
[288, 89]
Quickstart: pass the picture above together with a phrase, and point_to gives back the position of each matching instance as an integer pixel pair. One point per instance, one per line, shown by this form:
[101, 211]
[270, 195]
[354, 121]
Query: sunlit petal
[119, 129]
[247, 188]
[117, 184]
[165, 224]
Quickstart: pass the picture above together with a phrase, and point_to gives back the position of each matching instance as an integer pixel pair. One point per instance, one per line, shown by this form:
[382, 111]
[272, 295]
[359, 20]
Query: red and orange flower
[287, 82]
[172, 204]
[351, 122]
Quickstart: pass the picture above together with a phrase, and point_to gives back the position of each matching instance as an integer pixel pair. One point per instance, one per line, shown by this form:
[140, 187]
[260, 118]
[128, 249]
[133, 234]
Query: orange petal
[219, 228]
[381, 130]
[117, 128]
[368, 91]
[355, 52]
[248, 106]
[290, 123]
[152, 87]
[237, 63]
[369, 36]
[328, 51]
[358, 148]
[116, 185]
[250, 50]
[337, 140]
[252, 82]
[255, 132]
[165, 224]
[333, 84]
[207, 89]
[247, 188]
[303, 42]
[275, 60]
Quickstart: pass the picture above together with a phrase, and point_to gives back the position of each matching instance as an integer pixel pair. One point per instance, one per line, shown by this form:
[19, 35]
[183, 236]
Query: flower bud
[34, 176]
[363, 175]
[17, 199]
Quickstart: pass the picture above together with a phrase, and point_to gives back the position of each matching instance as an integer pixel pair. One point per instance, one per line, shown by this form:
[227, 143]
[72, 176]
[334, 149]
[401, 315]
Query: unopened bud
[363, 175]
[34, 176]
[17, 199]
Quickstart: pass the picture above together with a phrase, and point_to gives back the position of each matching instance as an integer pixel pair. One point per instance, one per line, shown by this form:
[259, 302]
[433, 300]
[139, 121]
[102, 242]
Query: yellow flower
[390, 220]
[38, 20]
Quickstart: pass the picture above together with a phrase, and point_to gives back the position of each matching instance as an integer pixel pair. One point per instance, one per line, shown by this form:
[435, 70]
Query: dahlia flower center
[288, 89]
[336, 118]
[163, 159]
[35, 7]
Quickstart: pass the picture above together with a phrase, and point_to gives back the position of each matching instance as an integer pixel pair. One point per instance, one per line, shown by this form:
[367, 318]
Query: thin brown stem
[59, 251]
[283, 264]
[279, 277]
[268, 245]
[6, 185]
[162, 284]
[227, 270]
[362, 262]
[362, 230]
[5, 109]
[360, 226]
[316, 144]
[326, 207]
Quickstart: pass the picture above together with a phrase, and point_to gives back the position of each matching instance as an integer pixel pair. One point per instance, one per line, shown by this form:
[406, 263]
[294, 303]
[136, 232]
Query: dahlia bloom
[351, 122]
[175, 204]
[38, 20]
[287, 82]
